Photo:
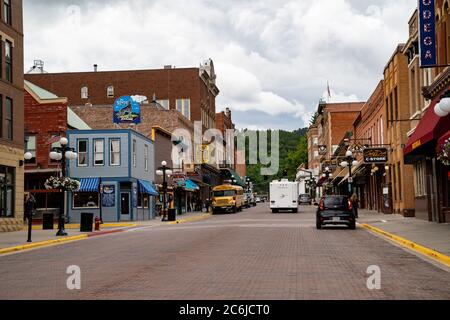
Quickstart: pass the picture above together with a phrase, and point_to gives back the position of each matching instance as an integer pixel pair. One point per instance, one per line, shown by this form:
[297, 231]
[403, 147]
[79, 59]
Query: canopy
[431, 127]
[146, 187]
[442, 140]
[191, 185]
[89, 185]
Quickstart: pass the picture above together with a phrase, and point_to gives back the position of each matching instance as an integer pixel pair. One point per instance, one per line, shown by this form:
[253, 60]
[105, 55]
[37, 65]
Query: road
[253, 255]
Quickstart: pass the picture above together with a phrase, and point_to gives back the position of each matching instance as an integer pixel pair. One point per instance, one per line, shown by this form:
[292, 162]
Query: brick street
[249, 255]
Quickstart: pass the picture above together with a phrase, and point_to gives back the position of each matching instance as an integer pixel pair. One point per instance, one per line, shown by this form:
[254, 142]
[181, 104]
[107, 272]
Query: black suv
[335, 210]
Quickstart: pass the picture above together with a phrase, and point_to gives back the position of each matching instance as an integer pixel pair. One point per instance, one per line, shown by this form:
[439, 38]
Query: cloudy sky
[273, 58]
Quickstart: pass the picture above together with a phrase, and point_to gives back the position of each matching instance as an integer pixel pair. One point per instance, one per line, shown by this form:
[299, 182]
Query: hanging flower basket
[63, 184]
[444, 153]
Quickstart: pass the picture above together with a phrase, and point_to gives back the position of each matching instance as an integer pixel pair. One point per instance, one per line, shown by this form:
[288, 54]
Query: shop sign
[427, 33]
[375, 155]
[416, 144]
[178, 177]
[127, 110]
[108, 196]
[323, 150]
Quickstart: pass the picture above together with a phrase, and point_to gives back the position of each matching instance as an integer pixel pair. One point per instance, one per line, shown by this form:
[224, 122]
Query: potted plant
[63, 184]
[444, 153]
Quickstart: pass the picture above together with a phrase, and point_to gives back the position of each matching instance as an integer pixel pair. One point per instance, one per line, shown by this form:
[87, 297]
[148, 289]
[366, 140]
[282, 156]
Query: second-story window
[31, 148]
[134, 153]
[146, 158]
[164, 103]
[114, 153]
[8, 61]
[99, 152]
[9, 119]
[83, 153]
[7, 12]
[184, 106]
[110, 92]
[84, 93]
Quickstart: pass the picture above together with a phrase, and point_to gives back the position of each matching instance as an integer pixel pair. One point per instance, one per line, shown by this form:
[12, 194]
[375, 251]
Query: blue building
[116, 169]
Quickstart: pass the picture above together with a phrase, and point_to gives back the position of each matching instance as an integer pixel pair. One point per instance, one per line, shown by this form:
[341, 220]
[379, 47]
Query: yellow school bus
[227, 198]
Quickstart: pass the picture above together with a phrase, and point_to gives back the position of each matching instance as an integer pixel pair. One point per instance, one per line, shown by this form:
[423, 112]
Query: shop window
[31, 148]
[7, 182]
[86, 200]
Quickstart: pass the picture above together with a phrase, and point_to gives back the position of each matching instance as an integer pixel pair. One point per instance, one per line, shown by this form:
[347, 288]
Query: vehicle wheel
[318, 225]
[235, 210]
[295, 210]
[352, 226]
[274, 211]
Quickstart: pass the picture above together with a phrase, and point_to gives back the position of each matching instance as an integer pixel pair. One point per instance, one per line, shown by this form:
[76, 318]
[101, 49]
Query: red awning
[442, 140]
[431, 127]
[321, 181]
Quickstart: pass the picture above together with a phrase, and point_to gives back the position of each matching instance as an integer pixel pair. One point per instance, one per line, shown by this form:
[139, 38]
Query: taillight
[234, 198]
[321, 206]
[350, 205]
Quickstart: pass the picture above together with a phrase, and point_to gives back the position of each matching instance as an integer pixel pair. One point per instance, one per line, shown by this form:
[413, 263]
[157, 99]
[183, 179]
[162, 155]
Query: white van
[284, 196]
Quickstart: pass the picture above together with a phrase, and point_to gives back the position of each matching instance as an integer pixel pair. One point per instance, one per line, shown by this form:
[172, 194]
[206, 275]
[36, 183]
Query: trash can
[47, 221]
[172, 215]
[87, 220]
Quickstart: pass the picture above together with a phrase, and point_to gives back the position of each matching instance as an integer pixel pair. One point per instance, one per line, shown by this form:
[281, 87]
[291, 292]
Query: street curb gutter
[203, 217]
[42, 244]
[442, 258]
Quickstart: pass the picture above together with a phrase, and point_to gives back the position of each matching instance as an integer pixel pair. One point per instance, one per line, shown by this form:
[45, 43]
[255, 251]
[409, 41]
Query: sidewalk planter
[116, 170]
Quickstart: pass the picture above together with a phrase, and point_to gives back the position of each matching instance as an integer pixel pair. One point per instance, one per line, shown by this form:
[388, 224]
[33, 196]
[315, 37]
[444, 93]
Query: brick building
[192, 91]
[426, 137]
[11, 116]
[397, 99]
[369, 130]
[47, 119]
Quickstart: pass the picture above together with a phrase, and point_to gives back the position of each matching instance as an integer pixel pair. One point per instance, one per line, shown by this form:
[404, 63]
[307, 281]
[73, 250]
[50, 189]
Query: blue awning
[89, 185]
[191, 185]
[146, 188]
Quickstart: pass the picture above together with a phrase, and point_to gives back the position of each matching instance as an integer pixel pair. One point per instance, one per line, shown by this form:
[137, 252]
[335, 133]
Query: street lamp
[164, 171]
[63, 154]
[442, 109]
[349, 162]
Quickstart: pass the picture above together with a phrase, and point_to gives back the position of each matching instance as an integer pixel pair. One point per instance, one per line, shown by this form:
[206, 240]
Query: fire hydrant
[97, 223]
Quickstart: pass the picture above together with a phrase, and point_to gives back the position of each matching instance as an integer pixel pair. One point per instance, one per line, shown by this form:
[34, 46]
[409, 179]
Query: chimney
[228, 112]
[95, 67]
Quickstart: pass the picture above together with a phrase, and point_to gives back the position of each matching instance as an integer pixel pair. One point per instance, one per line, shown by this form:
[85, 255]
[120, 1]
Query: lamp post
[28, 156]
[63, 154]
[327, 174]
[164, 171]
[349, 161]
[442, 109]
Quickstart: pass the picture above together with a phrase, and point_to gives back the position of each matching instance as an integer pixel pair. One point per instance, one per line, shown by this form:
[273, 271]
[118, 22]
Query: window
[400, 190]
[114, 154]
[7, 182]
[99, 152]
[184, 106]
[9, 118]
[134, 153]
[146, 201]
[420, 178]
[83, 158]
[316, 141]
[86, 200]
[84, 93]
[316, 154]
[7, 12]
[31, 147]
[8, 60]
[110, 92]
[396, 103]
[164, 103]
[146, 157]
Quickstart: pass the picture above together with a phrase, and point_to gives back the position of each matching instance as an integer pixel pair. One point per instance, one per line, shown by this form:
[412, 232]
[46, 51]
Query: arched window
[110, 91]
[84, 93]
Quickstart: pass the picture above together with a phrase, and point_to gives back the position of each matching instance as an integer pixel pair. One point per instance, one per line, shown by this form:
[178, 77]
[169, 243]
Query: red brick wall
[42, 121]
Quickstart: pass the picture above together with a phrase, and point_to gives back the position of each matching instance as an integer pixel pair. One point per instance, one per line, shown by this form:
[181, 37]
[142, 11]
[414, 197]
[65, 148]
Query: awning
[146, 187]
[89, 185]
[238, 179]
[191, 186]
[430, 128]
[355, 171]
[341, 174]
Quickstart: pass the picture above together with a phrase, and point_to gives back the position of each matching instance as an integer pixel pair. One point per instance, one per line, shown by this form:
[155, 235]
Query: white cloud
[271, 56]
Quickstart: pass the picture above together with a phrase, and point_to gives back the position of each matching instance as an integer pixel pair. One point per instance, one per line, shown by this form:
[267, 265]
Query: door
[125, 206]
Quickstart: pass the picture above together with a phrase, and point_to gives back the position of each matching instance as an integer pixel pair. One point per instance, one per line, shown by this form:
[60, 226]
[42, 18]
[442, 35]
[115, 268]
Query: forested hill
[293, 152]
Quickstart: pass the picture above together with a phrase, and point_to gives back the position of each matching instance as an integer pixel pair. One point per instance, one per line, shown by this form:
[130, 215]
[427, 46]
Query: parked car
[335, 210]
[258, 200]
[304, 199]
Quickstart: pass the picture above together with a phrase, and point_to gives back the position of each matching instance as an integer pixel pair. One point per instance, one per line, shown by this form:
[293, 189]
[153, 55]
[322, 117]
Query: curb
[430, 253]
[202, 217]
[42, 244]
[77, 226]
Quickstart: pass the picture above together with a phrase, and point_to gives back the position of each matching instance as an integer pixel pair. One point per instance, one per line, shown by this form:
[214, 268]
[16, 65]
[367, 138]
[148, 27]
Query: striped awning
[89, 185]
[146, 187]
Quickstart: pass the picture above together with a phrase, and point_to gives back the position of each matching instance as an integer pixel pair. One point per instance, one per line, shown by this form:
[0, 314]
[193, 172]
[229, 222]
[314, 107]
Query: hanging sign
[375, 155]
[427, 33]
[127, 110]
[323, 150]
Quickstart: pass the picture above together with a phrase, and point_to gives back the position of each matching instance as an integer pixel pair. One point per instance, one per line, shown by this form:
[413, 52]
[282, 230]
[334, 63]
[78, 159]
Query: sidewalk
[48, 237]
[428, 234]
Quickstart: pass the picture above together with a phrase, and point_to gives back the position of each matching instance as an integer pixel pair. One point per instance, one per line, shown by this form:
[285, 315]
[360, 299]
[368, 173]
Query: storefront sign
[323, 150]
[427, 33]
[416, 144]
[109, 196]
[375, 155]
[127, 110]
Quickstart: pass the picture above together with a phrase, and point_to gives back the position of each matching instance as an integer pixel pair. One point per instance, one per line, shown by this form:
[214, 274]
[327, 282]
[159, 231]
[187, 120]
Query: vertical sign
[109, 196]
[427, 33]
